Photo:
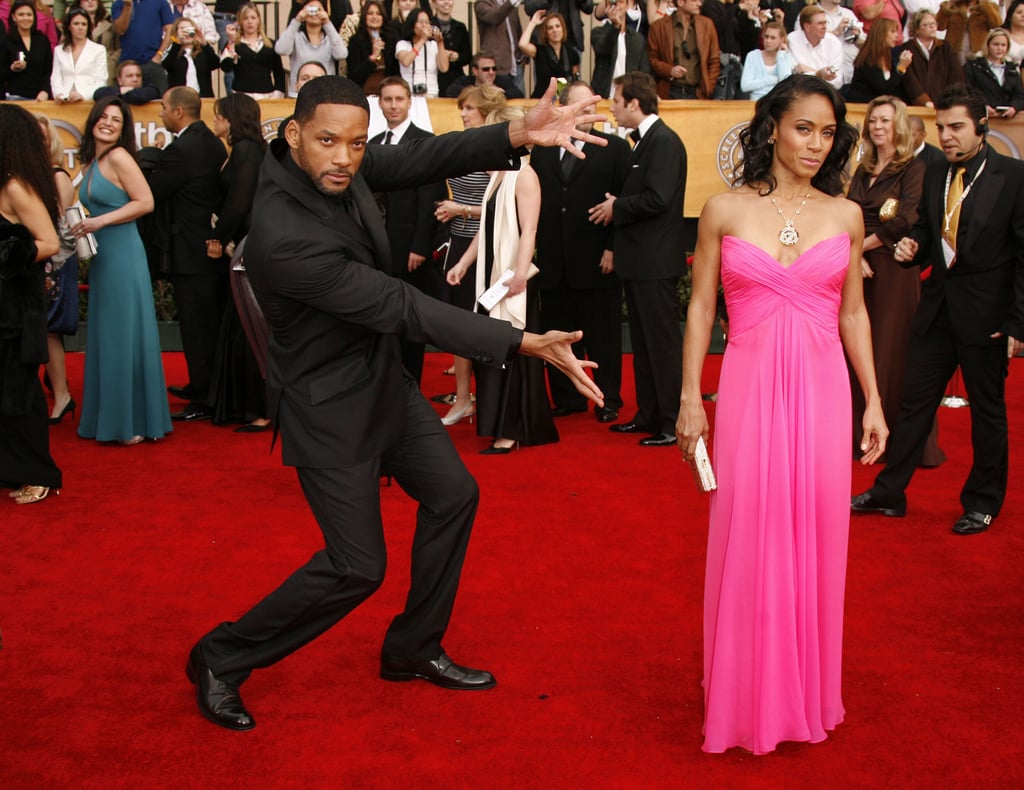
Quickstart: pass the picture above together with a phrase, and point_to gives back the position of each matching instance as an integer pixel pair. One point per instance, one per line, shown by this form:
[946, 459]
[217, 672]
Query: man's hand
[1013, 345]
[677, 72]
[415, 261]
[551, 125]
[556, 348]
[905, 250]
[607, 262]
[603, 213]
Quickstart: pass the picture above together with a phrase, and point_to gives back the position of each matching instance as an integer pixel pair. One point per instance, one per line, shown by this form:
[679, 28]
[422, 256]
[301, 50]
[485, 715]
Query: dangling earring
[771, 140]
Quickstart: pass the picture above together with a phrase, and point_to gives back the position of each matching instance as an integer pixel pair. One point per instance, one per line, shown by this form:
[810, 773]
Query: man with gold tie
[971, 314]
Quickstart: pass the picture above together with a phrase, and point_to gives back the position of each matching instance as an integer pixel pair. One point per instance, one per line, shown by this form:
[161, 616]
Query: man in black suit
[578, 286]
[971, 313]
[346, 410]
[650, 256]
[606, 39]
[187, 176]
[484, 71]
[924, 150]
[408, 213]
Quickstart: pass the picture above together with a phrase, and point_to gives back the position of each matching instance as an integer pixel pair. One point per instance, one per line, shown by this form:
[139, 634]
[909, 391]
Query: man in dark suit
[187, 176]
[484, 71]
[924, 150]
[606, 40]
[650, 256]
[971, 313]
[346, 410]
[578, 286]
[408, 213]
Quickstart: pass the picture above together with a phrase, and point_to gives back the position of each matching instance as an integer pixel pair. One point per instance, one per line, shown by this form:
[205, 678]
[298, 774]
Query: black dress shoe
[971, 523]
[868, 503]
[251, 427]
[606, 414]
[192, 413]
[659, 440]
[565, 411]
[185, 393]
[441, 671]
[218, 701]
[629, 427]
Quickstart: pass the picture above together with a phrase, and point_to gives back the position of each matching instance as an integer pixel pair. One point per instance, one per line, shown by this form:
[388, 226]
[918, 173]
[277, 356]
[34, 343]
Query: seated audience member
[815, 50]
[197, 11]
[766, 67]
[483, 70]
[924, 150]
[45, 23]
[79, 63]
[129, 85]
[552, 55]
[995, 77]
[371, 50]
[144, 31]
[190, 60]
[870, 10]
[617, 48]
[102, 31]
[966, 23]
[456, 41]
[635, 12]
[689, 70]
[28, 58]
[251, 57]
[844, 25]
[934, 65]
[309, 71]
[421, 54]
[874, 73]
[311, 36]
[737, 35]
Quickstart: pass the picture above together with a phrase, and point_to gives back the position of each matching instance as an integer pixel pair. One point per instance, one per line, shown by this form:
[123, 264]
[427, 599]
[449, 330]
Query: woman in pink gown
[786, 247]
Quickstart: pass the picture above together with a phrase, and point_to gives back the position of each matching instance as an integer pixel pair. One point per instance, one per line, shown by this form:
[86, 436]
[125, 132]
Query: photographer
[311, 36]
[421, 54]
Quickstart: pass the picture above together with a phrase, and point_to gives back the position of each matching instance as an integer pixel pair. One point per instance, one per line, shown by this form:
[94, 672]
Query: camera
[313, 12]
[419, 89]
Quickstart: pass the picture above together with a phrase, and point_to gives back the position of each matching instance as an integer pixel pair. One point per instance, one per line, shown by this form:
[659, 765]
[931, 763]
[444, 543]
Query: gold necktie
[953, 203]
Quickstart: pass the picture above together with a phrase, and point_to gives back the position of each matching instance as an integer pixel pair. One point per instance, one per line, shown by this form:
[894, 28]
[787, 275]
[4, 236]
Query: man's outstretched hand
[556, 348]
[549, 124]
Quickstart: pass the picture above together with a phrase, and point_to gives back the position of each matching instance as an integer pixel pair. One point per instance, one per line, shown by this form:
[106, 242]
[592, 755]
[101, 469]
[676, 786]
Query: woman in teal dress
[125, 399]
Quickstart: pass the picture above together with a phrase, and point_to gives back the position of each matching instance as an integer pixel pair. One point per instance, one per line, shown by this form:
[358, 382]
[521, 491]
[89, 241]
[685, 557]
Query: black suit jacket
[409, 214]
[930, 155]
[335, 378]
[455, 40]
[570, 11]
[605, 40]
[984, 289]
[569, 245]
[648, 213]
[187, 177]
[206, 62]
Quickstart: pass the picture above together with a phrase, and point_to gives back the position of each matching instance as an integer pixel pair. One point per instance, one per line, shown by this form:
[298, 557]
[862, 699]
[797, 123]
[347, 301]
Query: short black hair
[960, 95]
[328, 90]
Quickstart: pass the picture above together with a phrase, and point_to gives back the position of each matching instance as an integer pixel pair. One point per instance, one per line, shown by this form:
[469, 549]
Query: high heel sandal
[68, 407]
[31, 494]
[495, 450]
[132, 441]
[458, 414]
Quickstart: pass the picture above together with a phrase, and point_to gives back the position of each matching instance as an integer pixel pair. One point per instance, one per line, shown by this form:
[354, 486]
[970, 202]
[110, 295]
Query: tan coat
[661, 51]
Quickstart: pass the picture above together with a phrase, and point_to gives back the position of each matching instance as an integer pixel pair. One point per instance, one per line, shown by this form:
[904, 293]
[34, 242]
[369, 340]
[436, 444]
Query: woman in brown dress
[887, 186]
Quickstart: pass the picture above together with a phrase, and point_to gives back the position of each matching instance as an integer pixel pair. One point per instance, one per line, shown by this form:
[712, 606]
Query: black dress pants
[653, 307]
[933, 359]
[350, 568]
[200, 299]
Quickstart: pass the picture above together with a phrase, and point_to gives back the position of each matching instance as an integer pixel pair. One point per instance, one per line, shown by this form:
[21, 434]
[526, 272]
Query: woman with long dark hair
[125, 398]
[421, 54]
[371, 50]
[236, 386]
[874, 73]
[28, 62]
[102, 30]
[28, 237]
[786, 246]
[79, 63]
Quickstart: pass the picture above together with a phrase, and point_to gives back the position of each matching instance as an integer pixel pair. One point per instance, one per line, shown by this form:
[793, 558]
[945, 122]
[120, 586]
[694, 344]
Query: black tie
[387, 137]
[635, 136]
[567, 162]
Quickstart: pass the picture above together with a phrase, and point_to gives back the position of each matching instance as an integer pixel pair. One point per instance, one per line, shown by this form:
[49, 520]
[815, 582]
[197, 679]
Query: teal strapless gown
[125, 394]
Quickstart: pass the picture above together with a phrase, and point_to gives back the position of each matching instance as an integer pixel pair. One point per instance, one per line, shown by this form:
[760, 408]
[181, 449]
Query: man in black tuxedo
[650, 256]
[408, 213]
[971, 313]
[606, 39]
[187, 177]
[924, 150]
[578, 286]
[347, 412]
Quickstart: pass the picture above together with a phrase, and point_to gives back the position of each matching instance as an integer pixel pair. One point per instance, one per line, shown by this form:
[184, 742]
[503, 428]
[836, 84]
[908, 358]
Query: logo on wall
[147, 133]
[730, 153]
[269, 128]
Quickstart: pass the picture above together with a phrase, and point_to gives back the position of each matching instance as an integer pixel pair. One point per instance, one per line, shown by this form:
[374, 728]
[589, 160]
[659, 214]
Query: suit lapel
[373, 224]
[984, 198]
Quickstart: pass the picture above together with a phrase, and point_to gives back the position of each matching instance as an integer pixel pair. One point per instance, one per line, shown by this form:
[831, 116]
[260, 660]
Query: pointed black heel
[68, 407]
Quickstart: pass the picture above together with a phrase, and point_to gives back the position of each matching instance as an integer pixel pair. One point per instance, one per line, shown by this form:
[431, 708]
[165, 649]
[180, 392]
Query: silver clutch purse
[702, 471]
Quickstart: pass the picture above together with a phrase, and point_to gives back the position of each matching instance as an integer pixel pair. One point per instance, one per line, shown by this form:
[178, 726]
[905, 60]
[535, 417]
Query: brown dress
[891, 296]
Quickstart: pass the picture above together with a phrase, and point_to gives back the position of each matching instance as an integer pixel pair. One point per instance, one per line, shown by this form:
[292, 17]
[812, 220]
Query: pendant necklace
[788, 235]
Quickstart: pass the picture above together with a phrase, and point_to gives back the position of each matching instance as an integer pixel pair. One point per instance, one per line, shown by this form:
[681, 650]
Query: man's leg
[643, 375]
[556, 313]
[984, 370]
[663, 343]
[200, 299]
[598, 312]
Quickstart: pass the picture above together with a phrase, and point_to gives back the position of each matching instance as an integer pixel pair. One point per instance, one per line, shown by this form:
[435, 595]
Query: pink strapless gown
[776, 566]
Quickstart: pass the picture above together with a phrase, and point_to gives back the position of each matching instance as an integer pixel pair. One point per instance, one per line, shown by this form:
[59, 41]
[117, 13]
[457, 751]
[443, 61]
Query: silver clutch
[702, 471]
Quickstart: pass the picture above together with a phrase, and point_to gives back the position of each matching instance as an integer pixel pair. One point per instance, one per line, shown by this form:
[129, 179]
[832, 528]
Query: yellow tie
[953, 203]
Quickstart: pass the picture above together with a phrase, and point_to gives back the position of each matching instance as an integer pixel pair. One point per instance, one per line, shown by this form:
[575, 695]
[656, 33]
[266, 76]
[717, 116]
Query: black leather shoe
[192, 413]
[868, 503]
[442, 671]
[565, 411]
[971, 523]
[218, 701]
[180, 392]
[659, 440]
[606, 414]
[629, 427]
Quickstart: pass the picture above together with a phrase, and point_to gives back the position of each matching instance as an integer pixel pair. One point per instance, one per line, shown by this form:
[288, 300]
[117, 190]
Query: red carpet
[582, 592]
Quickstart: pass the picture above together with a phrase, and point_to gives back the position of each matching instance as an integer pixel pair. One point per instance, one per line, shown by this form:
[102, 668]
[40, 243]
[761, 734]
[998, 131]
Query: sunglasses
[487, 68]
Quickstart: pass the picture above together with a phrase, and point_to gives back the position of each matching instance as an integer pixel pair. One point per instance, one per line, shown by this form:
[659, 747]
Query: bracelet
[465, 212]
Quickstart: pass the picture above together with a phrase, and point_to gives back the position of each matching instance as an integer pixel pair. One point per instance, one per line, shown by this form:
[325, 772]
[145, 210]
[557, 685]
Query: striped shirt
[469, 191]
